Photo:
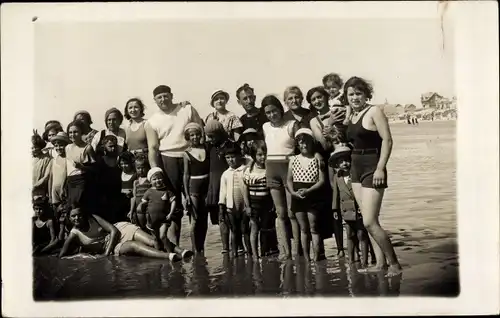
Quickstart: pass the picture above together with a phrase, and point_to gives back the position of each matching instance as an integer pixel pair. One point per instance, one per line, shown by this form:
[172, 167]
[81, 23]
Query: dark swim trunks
[363, 167]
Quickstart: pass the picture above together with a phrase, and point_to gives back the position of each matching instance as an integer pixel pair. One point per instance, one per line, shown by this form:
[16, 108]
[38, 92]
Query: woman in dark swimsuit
[369, 133]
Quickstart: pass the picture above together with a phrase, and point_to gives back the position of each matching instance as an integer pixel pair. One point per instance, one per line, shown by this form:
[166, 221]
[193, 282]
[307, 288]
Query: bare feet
[372, 269]
[394, 270]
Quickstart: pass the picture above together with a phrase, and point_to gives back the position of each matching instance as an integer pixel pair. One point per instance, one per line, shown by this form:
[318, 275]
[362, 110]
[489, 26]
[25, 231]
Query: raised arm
[317, 130]
[195, 116]
[153, 145]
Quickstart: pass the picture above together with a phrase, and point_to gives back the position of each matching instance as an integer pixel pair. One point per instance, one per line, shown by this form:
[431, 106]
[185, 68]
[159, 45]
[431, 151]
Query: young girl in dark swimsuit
[196, 178]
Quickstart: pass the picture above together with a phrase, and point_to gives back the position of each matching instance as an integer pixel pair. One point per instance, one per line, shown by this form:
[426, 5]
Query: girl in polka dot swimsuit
[304, 181]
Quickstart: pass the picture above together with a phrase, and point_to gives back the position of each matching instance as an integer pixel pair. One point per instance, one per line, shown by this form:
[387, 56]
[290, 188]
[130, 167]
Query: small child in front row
[128, 176]
[232, 200]
[140, 186]
[159, 204]
[345, 203]
[304, 181]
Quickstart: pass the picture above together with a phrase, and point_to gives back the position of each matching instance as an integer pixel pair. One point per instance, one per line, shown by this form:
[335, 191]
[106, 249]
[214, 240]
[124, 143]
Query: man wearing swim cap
[166, 145]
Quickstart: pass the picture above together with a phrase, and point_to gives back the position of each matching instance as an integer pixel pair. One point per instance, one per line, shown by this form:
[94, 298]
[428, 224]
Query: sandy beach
[419, 212]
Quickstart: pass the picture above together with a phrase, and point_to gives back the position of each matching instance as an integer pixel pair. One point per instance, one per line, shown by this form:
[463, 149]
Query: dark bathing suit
[366, 153]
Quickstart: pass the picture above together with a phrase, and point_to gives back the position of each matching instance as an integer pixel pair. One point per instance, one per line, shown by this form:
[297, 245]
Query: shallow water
[419, 212]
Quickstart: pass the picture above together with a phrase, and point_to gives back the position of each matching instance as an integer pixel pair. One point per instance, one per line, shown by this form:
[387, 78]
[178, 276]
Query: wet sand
[419, 212]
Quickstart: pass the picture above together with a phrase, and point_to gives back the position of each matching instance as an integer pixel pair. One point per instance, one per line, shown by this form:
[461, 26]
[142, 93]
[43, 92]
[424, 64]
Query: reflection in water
[135, 277]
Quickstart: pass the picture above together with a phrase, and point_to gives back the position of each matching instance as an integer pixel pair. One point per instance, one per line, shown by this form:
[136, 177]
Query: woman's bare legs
[141, 249]
[279, 199]
[370, 209]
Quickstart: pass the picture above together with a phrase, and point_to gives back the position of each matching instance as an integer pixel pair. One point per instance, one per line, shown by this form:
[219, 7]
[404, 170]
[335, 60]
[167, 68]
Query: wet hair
[38, 141]
[138, 101]
[245, 87]
[292, 89]
[76, 123]
[256, 146]
[333, 77]
[361, 84]
[126, 156]
[231, 148]
[142, 160]
[272, 100]
[319, 89]
[109, 138]
[87, 117]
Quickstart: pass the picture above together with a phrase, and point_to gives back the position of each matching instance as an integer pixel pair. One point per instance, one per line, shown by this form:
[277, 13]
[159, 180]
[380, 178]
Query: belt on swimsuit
[139, 151]
[278, 157]
[258, 194]
[365, 151]
[200, 177]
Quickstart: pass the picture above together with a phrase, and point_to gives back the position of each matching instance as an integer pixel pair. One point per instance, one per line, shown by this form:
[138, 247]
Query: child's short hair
[361, 84]
[138, 101]
[256, 146]
[126, 156]
[231, 148]
[142, 160]
[109, 138]
[75, 123]
[334, 78]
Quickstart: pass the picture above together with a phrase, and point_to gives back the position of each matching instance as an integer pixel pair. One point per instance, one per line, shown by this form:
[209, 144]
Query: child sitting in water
[159, 204]
[346, 207]
[44, 233]
[231, 199]
[141, 185]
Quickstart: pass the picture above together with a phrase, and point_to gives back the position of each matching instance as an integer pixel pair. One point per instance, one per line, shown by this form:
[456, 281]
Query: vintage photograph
[244, 158]
[242, 154]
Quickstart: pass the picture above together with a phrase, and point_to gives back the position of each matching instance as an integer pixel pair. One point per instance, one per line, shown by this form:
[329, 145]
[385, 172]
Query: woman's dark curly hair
[361, 84]
[138, 101]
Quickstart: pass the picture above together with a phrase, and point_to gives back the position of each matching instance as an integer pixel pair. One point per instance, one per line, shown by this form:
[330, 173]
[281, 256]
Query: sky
[99, 65]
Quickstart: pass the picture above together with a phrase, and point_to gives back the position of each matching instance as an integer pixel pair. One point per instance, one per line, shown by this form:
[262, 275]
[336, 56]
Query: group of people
[274, 181]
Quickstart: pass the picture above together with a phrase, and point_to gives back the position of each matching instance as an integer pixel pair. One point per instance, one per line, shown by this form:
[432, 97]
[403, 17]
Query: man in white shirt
[166, 143]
